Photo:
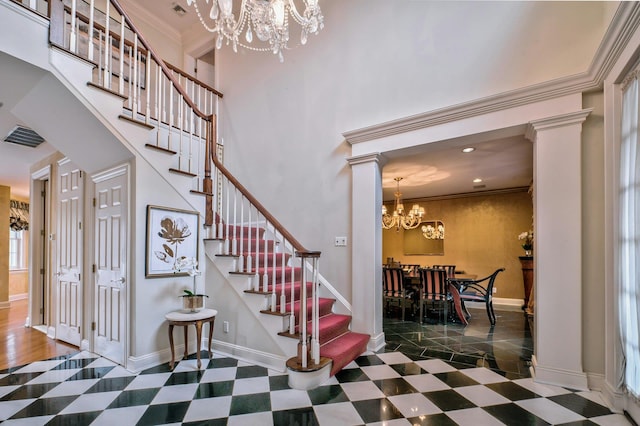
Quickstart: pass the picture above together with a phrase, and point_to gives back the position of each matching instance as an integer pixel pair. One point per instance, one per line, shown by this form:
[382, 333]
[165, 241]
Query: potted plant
[191, 300]
[527, 242]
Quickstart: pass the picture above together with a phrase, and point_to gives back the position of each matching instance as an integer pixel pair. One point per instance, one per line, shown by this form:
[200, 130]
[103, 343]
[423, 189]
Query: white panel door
[111, 210]
[70, 248]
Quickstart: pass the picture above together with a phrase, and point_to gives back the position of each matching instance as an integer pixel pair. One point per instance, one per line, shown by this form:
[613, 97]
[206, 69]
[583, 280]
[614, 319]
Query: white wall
[376, 61]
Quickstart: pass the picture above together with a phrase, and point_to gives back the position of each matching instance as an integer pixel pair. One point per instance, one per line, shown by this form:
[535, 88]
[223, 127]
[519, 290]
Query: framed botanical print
[171, 234]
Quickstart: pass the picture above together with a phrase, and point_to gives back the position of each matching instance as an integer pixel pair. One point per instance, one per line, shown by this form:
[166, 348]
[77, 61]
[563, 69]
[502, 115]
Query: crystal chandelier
[268, 19]
[399, 217]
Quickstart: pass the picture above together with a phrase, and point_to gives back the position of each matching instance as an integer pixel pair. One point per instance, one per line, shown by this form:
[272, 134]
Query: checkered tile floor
[386, 388]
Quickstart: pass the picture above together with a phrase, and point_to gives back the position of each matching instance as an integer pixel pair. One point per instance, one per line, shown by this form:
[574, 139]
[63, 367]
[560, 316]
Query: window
[629, 239]
[17, 249]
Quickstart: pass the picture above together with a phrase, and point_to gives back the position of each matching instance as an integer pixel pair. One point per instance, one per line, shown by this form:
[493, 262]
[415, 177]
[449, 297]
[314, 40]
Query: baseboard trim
[137, 364]
[376, 343]
[84, 345]
[252, 356]
[613, 397]
[5, 305]
[564, 378]
[20, 296]
[51, 332]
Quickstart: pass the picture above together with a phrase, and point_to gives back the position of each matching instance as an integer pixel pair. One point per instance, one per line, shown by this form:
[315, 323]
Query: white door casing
[70, 248]
[111, 213]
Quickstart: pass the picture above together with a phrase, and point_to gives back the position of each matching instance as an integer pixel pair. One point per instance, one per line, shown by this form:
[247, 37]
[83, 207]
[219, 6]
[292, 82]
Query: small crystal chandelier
[399, 217]
[269, 19]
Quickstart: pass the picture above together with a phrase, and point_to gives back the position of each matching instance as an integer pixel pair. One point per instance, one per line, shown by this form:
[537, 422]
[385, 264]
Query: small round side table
[183, 318]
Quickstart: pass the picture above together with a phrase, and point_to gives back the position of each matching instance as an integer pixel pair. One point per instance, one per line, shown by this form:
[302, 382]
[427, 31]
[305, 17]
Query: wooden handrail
[277, 225]
[195, 80]
[161, 63]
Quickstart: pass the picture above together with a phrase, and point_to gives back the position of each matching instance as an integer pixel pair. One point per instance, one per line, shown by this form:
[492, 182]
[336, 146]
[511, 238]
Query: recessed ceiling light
[468, 149]
[477, 180]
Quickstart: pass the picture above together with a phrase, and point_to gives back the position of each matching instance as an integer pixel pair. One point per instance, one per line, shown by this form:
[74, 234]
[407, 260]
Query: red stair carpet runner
[336, 340]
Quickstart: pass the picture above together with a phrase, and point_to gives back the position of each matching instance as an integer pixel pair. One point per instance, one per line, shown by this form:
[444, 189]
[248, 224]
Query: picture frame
[415, 242]
[171, 233]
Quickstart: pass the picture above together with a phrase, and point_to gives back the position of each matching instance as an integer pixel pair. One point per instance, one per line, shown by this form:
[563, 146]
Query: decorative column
[557, 207]
[366, 246]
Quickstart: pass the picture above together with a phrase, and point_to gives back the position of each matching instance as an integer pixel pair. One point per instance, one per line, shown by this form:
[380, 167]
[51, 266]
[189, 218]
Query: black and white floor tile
[377, 389]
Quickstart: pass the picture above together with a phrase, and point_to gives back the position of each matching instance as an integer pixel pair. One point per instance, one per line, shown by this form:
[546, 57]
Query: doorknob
[120, 280]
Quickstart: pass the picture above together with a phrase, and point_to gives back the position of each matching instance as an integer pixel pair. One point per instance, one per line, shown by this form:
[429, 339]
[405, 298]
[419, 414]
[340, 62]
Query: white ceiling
[504, 161]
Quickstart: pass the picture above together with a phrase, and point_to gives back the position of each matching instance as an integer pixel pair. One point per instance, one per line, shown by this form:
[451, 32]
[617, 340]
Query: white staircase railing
[182, 111]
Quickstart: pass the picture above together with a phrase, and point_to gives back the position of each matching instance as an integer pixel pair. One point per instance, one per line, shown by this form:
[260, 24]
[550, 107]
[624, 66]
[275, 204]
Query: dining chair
[394, 289]
[451, 269]
[433, 289]
[481, 291]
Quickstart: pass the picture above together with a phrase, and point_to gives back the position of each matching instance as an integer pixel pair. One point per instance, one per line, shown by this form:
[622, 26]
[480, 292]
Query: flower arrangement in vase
[527, 242]
[191, 300]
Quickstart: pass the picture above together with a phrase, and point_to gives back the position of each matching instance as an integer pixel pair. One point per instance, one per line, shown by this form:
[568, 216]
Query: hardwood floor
[21, 345]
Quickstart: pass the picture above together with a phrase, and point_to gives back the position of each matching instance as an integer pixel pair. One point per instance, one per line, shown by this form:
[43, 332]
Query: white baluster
[121, 60]
[92, 7]
[107, 48]
[315, 342]
[240, 252]
[147, 72]
[73, 41]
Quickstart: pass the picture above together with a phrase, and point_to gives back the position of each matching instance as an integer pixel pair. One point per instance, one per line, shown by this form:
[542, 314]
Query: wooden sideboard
[527, 277]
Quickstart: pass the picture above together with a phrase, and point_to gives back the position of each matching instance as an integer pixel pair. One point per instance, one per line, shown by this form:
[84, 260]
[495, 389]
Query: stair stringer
[268, 349]
[74, 74]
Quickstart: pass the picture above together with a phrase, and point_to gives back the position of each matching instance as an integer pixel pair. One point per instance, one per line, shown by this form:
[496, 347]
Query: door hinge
[79, 277]
[41, 310]
[94, 202]
[80, 225]
[42, 232]
[93, 269]
[42, 194]
[41, 271]
[93, 326]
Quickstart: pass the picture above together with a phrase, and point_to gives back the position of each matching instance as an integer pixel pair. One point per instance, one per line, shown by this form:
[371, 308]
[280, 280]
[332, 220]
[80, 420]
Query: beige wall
[5, 195]
[593, 237]
[481, 235]
[18, 283]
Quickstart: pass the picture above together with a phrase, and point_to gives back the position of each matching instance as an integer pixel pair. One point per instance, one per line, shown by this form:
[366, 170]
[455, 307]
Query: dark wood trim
[196, 192]
[160, 149]
[263, 211]
[182, 172]
[192, 78]
[104, 89]
[235, 256]
[276, 313]
[134, 121]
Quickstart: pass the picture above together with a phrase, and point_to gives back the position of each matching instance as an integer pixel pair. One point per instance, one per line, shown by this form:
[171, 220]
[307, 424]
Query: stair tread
[344, 349]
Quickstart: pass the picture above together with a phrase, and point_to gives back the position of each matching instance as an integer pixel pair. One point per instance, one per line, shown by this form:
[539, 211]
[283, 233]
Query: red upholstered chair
[433, 290]
[481, 291]
[451, 269]
[394, 289]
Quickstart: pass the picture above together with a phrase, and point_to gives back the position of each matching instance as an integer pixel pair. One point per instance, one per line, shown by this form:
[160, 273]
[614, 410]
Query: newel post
[207, 182]
[56, 25]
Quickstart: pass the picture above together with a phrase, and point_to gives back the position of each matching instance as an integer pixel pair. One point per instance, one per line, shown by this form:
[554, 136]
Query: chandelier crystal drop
[266, 20]
[400, 217]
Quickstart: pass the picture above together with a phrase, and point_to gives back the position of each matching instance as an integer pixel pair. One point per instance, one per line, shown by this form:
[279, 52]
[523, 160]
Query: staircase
[167, 118]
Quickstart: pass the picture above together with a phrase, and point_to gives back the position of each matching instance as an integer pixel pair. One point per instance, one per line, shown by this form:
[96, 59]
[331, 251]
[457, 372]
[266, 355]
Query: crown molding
[622, 27]
[535, 126]
[367, 158]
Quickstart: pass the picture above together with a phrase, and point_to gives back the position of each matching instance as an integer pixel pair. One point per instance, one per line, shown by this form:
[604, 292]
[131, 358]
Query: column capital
[577, 117]
[375, 157]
